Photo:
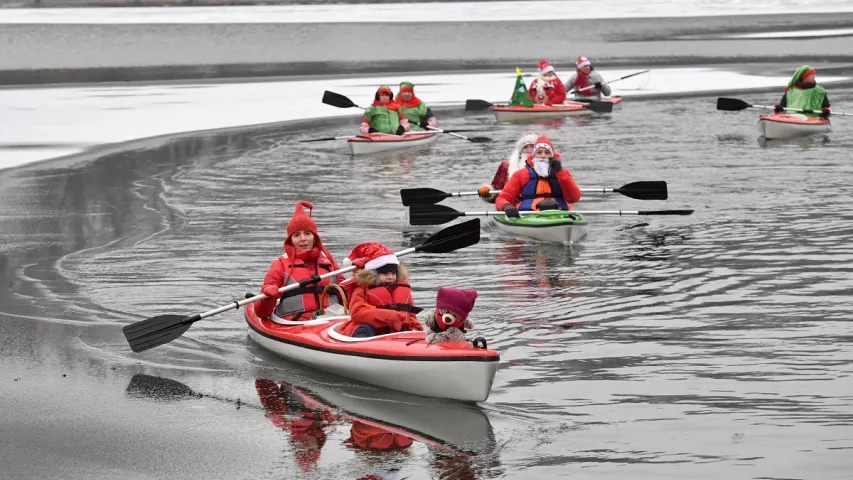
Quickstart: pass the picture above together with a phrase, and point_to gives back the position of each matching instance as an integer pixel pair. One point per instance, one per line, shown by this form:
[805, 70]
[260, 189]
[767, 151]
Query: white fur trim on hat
[583, 62]
[377, 262]
[347, 262]
[545, 146]
[549, 68]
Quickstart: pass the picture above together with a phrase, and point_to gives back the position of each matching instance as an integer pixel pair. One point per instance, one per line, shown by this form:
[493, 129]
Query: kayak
[616, 100]
[779, 126]
[382, 142]
[399, 361]
[559, 226]
[504, 113]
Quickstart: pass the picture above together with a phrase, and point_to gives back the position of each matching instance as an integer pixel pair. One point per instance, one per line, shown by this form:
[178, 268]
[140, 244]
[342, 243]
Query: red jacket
[363, 303]
[280, 272]
[554, 89]
[511, 193]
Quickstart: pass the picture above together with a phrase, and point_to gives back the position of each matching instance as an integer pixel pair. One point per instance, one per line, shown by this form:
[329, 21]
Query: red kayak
[382, 142]
[399, 361]
[504, 113]
[782, 125]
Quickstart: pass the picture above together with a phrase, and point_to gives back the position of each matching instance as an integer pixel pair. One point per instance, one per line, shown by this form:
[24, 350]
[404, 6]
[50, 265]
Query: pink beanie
[458, 301]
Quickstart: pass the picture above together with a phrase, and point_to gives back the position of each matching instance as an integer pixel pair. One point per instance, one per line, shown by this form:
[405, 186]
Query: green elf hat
[407, 87]
[801, 73]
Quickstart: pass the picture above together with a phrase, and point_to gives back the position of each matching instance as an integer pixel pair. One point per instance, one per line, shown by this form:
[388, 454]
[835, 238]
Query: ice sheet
[56, 119]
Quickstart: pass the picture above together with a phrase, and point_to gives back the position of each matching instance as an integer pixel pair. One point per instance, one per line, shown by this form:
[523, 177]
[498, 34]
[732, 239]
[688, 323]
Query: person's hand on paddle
[511, 211]
[270, 291]
[825, 113]
[365, 128]
[778, 109]
[597, 85]
[484, 191]
[404, 122]
[432, 122]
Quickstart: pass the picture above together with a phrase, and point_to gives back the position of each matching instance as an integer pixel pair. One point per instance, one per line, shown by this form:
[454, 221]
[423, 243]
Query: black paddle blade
[654, 190]
[666, 212]
[422, 196]
[477, 105]
[337, 100]
[154, 332]
[600, 107]
[731, 104]
[479, 139]
[452, 238]
[324, 139]
[432, 214]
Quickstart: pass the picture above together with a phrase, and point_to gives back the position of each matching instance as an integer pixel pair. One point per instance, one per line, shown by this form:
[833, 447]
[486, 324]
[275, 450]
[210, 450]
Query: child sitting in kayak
[804, 93]
[515, 161]
[384, 115]
[449, 320]
[542, 179]
[547, 89]
[381, 299]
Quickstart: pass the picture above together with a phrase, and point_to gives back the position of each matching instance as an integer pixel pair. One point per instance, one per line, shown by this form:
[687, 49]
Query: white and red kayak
[780, 125]
[399, 361]
[383, 142]
[505, 113]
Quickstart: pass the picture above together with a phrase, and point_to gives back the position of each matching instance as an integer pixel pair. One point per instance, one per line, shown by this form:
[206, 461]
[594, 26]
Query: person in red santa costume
[586, 76]
[380, 301]
[547, 89]
[543, 183]
[304, 257]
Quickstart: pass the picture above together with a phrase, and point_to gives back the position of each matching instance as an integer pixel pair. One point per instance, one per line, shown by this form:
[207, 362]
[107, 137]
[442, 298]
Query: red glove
[432, 122]
[271, 291]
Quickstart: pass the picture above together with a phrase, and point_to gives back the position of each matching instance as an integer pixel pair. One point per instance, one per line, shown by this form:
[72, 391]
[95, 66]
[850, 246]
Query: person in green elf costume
[384, 115]
[419, 114]
[804, 93]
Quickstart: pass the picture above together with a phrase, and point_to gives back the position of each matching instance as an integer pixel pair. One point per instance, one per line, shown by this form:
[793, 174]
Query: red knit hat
[300, 221]
[545, 67]
[583, 62]
[384, 89]
[458, 301]
[371, 256]
[544, 142]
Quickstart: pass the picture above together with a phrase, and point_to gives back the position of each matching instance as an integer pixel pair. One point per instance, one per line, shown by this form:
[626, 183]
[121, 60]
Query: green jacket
[804, 98]
[416, 113]
[383, 118]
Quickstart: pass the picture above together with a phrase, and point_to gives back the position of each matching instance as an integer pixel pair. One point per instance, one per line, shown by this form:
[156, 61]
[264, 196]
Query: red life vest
[394, 296]
[301, 303]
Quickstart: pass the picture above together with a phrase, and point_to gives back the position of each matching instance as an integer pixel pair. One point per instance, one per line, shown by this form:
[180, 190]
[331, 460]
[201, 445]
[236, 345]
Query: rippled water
[678, 347]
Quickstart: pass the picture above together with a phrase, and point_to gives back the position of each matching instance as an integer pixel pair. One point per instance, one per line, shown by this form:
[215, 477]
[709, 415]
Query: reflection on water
[708, 344]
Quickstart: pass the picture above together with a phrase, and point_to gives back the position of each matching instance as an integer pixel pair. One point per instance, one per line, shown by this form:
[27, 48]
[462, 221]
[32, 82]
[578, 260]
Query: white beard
[542, 167]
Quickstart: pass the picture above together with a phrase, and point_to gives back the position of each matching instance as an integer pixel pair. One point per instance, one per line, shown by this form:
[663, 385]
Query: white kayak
[381, 142]
[557, 226]
[399, 361]
[780, 126]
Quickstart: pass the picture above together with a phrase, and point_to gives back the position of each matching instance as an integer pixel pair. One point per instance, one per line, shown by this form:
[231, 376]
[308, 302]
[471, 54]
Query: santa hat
[544, 142]
[545, 67]
[583, 62]
[384, 89]
[373, 256]
[458, 301]
[407, 87]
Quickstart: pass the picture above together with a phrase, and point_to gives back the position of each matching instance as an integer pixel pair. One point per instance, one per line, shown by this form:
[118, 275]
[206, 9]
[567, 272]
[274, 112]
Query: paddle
[338, 100]
[650, 190]
[163, 329]
[470, 139]
[735, 105]
[611, 81]
[438, 214]
[595, 106]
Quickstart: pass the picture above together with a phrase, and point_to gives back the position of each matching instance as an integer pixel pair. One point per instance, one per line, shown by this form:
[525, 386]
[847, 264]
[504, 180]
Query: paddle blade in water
[432, 214]
[731, 104]
[600, 107]
[422, 196]
[324, 139]
[477, 105]
[654, 190]
[155, 331]
[452, 238]
[479, 139]
[666, 212]
[142, 385]
[337, 100]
